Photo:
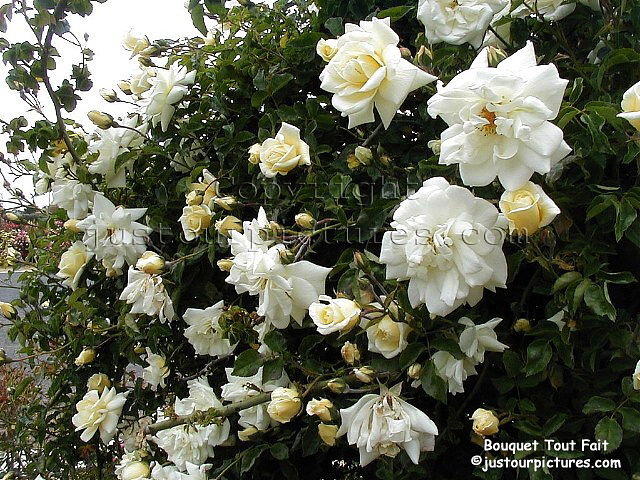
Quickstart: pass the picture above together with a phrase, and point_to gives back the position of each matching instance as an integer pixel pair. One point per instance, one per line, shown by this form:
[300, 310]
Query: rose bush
[250, 285]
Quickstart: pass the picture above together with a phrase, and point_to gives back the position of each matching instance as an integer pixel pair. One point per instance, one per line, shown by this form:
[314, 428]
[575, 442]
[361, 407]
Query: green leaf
[608, 430]
[247, 363]
[335, 26]
[278, 82]
[279, 451]
[432, 384]
[598, 404]
[272, 369]
[250, 456]
[275, 341]
[554, 423]
[396, 13]
[197, 17]
[595, 299]
[630, 419]
[626, 216]
[538, 356]
[512, 362]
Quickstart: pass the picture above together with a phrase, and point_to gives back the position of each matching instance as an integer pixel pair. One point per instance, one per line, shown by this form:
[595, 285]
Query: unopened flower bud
[405, 52]
[246, 434]
[337, 385]
[522, 325]
[3, 356]
[8, 310]
[361, 261]
[100, 119]
[276, 229]
[194, 197]
[385, 160]
[305, 220]
[353, 162]
[151, 263]
[364, 374]
[434, 145]
[496, 55]
[364, 155]
[98, 381]
[287, 256]
[284, 405]
[225, 264]
[350, 353]
[485, 422]
[228, 224]
[328, 433]
[136, 471]
[225, 202]
[109, 95]
[86, 356]
[321, 408]
[414, 371]
[12, 217]
[145, 62]
[125, 87]
[71, 225]
[150, 51]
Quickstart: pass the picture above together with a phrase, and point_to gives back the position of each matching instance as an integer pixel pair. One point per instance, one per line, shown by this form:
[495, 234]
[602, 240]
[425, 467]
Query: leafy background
[569, 384]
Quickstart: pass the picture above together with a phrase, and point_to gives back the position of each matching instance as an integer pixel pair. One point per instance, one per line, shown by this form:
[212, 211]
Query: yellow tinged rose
[136, 471]
[195, 219]
[485, 422]
[285, 404]
[7, 309]
[350, 353]
[327, 49]
[631, 106]
[321, 408]
[227, 224]
[328, 433]
[528, 209]
[86, 356]
[98, 381]
[151, 263]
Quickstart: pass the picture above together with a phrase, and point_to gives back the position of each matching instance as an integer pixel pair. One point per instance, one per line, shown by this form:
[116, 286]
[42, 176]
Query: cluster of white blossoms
[474, 341]
[284, 290]
[365, 69]
[204, 331]
[193, 444]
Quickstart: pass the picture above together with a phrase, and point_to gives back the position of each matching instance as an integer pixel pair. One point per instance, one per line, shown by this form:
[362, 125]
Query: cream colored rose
[327, 48]
[388, 337]
[136, 471]
[226, 203]
[86, 356]
[225, 264]
[7, 309]
[283, 153]
[334, 314]
[98, 381]
[139, 82]
[254, 153]
[321, 408]
[195, 219]
[227, 224]
[485, 422]
[207, 186]
[134, 43]
[72, 225]
[285, 404]
[350, 353]
[151, 263]
[528, 209]
[328, 433]
[72, 264]
[414, 371]
[631, 106]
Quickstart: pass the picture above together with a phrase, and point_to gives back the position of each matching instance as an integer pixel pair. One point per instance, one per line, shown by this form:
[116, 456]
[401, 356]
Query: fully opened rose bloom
[110, 145]
[281, 154]
[549, 10]
[169, 86]
[242, 388]
[386, 336]
[194, 444]
[156, 371]
[334, 314]
[146, 294]
[528, 209]
[446, 243]
[284, 291]
[72, 264]
[453, 371]
[99, 413]
[195, 220]
[383, 424]
[204, 331]
[499, 119]
[113, 234]
[477, 339]
[457, 22]
[485, 422]
[368, 71]
[73, 196]
[631, 106]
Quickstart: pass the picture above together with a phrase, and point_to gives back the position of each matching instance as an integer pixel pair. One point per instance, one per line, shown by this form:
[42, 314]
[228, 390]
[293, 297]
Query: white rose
[195, 220]
[151, 263]
[156, 372]
[334, 314]
[458, 22]
[146, 294]
[499, 119]
[476, 339]
[139, 81]
[321, 408]
[631, 106]
[387, 337]
[99, 413]
[453, 371]
[285, 404]
[368, 71]
[283, 153]
[549, 10]
[528, 209]
[204, 331]
[485, 422]
[327, 49]
[383, 424]
[98, 381]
